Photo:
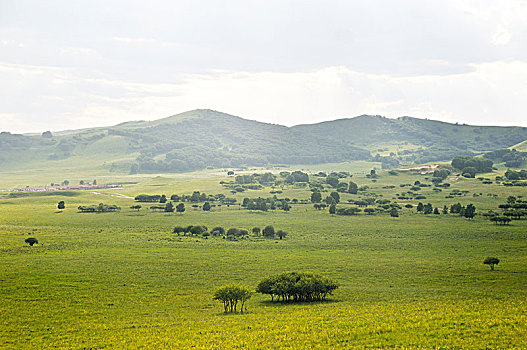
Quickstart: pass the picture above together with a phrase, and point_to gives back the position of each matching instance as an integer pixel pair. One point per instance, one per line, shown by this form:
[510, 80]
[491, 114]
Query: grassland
[123, 280]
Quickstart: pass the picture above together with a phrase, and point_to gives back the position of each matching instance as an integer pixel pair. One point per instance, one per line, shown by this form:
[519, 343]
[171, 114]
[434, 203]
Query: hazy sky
[70, 64]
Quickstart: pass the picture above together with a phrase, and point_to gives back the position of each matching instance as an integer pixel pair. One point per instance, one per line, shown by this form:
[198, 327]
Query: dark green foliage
[394, 213]
[206, 206]
[516, 175]
[256, 231]
[511, 158]
[470, 211]
[268, 231]
[503, 220]
[332, 208]
[231, 295]
[31, 241]
[491, 262]
[148, 198]
[135, 207]
[218, 231]
[281, 234]
[169, 207]
[179, 229]
[163, 199]
[348, 211]
[297, 287]
[333, 181]
[427, 208]
[101, 208]
[353, 188]
[481, 165]
[61, 205]
[233, 231]
[436, 211]
[180, 208]
[335, 196]
[420, 207]
[316, 197]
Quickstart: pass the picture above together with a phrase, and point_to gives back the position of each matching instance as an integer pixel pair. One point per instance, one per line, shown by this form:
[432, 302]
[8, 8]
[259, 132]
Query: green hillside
[199, 139]
[520, 147]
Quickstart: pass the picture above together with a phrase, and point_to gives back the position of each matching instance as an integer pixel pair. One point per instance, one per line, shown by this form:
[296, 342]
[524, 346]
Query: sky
[74, 64]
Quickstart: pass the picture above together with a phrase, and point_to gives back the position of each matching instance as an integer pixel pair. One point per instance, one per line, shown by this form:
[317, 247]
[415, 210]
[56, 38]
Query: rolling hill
[204, 138]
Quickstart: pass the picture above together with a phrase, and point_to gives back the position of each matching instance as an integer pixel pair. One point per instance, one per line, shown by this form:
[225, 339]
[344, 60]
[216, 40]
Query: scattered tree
[31, 241]
[180, 208]
[281, 234]
[268, 231]
[491, 262]
[61, 205]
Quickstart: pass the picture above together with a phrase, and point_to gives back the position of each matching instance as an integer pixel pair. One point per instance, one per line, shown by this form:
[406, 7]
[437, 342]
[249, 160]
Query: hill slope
[204, 138]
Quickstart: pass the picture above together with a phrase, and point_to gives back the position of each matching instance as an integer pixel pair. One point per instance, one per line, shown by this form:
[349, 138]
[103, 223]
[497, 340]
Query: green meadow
[125, 280]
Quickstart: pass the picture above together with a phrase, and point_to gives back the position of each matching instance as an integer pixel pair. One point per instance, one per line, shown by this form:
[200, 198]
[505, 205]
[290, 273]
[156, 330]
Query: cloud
[85, 63]
[491, 93]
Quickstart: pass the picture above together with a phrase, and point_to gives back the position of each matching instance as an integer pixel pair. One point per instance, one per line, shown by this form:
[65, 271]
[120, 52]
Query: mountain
[205, 138]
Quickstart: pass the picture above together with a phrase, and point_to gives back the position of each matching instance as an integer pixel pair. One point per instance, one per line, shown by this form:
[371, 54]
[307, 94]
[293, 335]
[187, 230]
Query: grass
[123, 280]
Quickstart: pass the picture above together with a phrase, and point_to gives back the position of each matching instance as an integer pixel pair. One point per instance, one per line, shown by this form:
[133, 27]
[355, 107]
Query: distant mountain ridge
[204, 138]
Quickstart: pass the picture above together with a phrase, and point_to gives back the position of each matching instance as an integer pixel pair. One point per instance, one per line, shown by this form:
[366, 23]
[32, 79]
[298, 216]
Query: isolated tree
[394, 213]
[491, 262]
[65, 183]
[206, 206]
[180, 208]
[135, 207]
[281, 234]
[95, 182]
[81, 182]
[61, 205]
[353, 188]
[169, 207]
[316, 197]
[420, 207]
[436, 211]
[31, 241]
[268, 231]
[332, 208]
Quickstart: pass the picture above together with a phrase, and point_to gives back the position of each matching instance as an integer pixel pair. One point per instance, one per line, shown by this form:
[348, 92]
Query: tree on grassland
[231, 295]
[491, 262]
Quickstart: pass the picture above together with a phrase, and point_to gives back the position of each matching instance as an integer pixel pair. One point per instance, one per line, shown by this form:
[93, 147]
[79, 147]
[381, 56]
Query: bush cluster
[296, 287]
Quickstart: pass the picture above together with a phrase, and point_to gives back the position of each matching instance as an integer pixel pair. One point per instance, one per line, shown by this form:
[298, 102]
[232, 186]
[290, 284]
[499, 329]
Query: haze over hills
[204, 138]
